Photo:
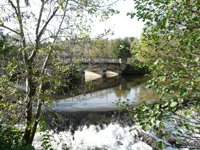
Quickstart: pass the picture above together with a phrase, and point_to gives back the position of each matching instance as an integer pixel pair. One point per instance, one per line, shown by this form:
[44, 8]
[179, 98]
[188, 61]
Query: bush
[172, 36]
[10, 139]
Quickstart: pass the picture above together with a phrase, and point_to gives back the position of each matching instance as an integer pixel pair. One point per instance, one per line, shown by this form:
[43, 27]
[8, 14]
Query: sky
[123, 25]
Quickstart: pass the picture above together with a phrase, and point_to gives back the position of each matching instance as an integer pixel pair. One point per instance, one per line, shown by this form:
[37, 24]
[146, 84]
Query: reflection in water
[104, 94]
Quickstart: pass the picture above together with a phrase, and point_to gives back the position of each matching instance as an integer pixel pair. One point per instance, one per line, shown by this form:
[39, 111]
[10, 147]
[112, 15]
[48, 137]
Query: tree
[99, 48]
[172, 36]
[40, 63]
[121, 48]
[3, 48]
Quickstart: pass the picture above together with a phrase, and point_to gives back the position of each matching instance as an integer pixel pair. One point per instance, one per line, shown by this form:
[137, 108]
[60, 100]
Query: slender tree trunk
[29, 94]
[29, 72]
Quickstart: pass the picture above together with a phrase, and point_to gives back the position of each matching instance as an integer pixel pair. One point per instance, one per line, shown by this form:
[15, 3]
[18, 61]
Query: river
[104, 93]
[88, 112]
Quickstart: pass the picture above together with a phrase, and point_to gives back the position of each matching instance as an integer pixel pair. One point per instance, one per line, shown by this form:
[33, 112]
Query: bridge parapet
[95, 60]
[100, 60]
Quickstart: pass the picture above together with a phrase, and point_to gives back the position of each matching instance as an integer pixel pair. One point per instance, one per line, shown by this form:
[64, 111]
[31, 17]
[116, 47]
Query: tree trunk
[28, 115]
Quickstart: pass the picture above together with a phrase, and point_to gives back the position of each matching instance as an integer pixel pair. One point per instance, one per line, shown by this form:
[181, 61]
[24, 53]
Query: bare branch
[40, 16]
[42, 31]
[40, 34]
[1, 25]
[39, 103]
[13, 6]
[44, 27]
[21, 24]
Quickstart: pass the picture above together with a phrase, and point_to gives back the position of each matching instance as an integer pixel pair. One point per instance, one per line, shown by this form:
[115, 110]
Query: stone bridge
[97, 65]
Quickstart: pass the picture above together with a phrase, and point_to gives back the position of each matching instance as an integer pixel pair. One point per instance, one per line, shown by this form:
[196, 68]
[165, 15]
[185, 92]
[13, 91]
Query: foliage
[39, 62]
[103, 47]
[10, 139]
[121, 48]
[4, 49]
[172, 33]
[99, 48]
[144, 47]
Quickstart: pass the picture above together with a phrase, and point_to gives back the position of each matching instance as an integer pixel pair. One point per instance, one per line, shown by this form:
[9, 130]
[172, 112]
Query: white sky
[124, 26]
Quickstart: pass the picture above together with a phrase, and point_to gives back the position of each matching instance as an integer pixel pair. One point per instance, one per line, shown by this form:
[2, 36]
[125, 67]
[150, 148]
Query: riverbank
[131, 69]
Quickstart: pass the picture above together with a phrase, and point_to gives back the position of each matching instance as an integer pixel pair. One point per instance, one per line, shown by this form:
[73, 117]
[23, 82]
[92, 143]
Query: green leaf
[160, 118]
[198, 38]
[197, 2]
[161, 145]
[191, 47]
[180, 100]
[145, 127]
[173, 104]
[165, 103]
[187, 126]
[174, 78]
[180, 131]
[152, 119]
[178, 142]
[154, 144]
[136, 64]
[187, 116]
[196, 59]
[162, 78]
[158, 131]
[135, 54]
[165, 21]
[156, 106]
[132, 129]
[197, 79]
[156, 62]
[194, 8]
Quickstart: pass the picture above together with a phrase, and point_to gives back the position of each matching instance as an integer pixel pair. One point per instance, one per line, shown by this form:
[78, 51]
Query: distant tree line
[97, 48]
[117, 48]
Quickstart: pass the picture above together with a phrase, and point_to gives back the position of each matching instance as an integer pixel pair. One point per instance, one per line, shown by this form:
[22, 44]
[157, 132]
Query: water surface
[102, 94]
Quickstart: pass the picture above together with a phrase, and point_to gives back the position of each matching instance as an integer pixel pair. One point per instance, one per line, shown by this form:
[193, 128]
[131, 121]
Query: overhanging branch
[1, 25]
